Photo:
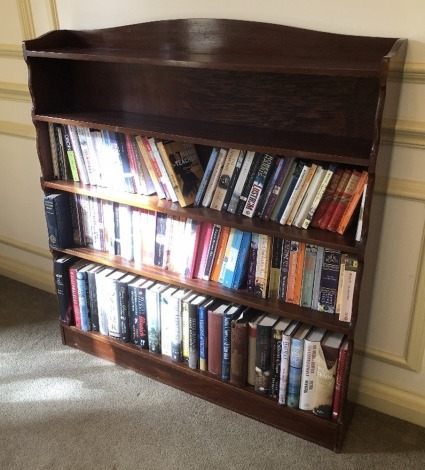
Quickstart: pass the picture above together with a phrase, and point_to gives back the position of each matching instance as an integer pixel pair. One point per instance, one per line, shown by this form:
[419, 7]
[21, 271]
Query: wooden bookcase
[226, 83]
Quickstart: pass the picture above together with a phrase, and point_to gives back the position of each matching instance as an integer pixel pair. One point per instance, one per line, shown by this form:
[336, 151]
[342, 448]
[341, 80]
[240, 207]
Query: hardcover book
[239, 347]
[329, 280]
[212, 162]
[203, 332]
[327, 359]
[153, 299]
[224, 179]
[340, 383]
[263, 353]
[63, 287]
[123, 306]
[309, 368]
[215, 337]
[168, 314]
[252, 347]
[194, 333]
[284, 361]
[233, 312]
[57, 209]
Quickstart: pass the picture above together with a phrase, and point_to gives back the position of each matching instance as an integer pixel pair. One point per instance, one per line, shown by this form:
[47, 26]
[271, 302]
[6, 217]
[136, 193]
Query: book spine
[74, 296]
[238, 353]
[224, 180]
[176, 330]
[83, 302]
[154, 321]
[215, 342]
[215, 176]
[207, 176]
[258, 185]
[308, 275]
[193, 336]
[252, 262]
[339, 383]
[263, 359]
[275, 360]
[63, 290]
[275, 268]
[203, 338]
[240, 274]
[70, 154]
[308, 375]
[263, 265]
[243, 175]
[215, 236]
[123, 311]
[284, 269]
[233, 180]
[284, 369]
[295, 370]
[329, 280]
[226, 340]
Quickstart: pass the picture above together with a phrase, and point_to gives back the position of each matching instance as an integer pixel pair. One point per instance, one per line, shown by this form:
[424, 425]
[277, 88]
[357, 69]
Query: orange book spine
[292, 271]
[349, 210]
[221, 248]
[299, 274]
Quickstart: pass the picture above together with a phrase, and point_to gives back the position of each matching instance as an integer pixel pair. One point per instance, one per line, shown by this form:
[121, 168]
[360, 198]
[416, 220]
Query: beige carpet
[64, 409]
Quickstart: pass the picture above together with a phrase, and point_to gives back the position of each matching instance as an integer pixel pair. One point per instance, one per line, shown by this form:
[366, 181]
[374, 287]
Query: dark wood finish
[228, 83]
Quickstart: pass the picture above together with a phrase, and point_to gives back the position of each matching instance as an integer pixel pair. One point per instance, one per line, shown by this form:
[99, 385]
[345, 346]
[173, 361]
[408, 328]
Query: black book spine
[63, 289]
[142, 318]
[59, 220]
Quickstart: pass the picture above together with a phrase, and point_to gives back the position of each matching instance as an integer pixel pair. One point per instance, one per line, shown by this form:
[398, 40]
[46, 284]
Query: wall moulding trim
[18, 130]
[14, 92]
[27, 247]
[399, 187]
[10, 51]
[39, 278]
[26, 19]
[414, 72]
[388, 399]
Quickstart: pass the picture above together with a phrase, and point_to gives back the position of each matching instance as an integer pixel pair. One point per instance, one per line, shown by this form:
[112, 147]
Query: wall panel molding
[52, 13]
[11, 51]
[16, 129]
[14, 92]
[26, 19]
[26, 247]
[400, 187]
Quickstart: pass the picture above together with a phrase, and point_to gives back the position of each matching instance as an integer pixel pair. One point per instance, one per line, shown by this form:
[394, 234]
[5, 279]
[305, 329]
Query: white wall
[389, 363]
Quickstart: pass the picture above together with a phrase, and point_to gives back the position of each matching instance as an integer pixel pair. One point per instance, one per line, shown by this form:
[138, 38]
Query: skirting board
[27, 274]
[385, 398]
[372, 394]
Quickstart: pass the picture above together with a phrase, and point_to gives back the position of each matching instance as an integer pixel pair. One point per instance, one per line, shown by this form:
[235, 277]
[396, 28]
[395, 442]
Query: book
[176, 324]
[203, 332]
[252, 347]
[275, 172]
[232, 258]
[260, 181]
[310, 194]
[263, 353]
[284, 361]
[292, 271]
[211, 252]
[76, 316]
[295, 365]
[309, 368]
[233, 180]
[351, 266]
[205, 235]
[145, 182]
[111, 293]
[194, 334]
[233, 312]
[327, 360]
[302, 192]
[192, 232]
[219, 253]
[240, 273]
[329, 280]
[184, 169]
[185, 324]
[326, 198]
[336, 198]
[57, 210]
[150, 165]
[352, 203]
[78, 155]
[212, 162]
[215, 176]
[224, 179]
[340, 382]
[89, 156]
[158, 163]
[344, 199]
[239, 185]
[153, 313]
[83, 296]
[54, 151]
[249, 181]
[137, 311]
[239, 347]
[317, 276]
[128, 170]
[215, 337]
[295, 193]
[321, 192]
[123, 299]
[227, 251]
[262, 267]
[359, 229]
[275, 268]
[284, 268]
[63, 287]
[168, 313]
[70, 154]
[276, 355]
[101, 296]
[308, 275]
[252, 262]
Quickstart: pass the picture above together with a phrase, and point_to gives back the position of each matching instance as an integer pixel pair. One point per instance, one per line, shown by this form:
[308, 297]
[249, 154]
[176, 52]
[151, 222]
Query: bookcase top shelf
[223, 45]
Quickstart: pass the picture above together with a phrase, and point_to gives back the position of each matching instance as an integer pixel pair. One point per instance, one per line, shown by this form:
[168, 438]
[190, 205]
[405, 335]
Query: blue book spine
[295, 369]
[83, 300]
[207, 175]
[233, 256]
[225, 359]
[292, 184]
[242, 261]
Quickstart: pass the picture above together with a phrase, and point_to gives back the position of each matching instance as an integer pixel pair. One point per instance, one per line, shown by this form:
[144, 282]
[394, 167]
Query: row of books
[286, 190]
[300, 273]
[293, 362]
[124, 162]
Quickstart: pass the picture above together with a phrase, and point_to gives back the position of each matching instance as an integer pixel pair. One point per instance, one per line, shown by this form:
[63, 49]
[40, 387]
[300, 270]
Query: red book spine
[74, 295]
[339, 383]
[215, 343]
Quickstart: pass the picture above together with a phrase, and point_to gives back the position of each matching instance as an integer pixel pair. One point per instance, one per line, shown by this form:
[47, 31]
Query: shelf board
[215, 289]
[319, 147]
[207, 386]
[345, 242]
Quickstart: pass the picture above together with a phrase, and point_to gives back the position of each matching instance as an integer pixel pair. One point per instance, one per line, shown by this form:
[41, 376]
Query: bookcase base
[204, 385]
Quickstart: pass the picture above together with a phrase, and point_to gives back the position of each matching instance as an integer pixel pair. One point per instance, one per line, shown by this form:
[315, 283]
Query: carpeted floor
[64, 409]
